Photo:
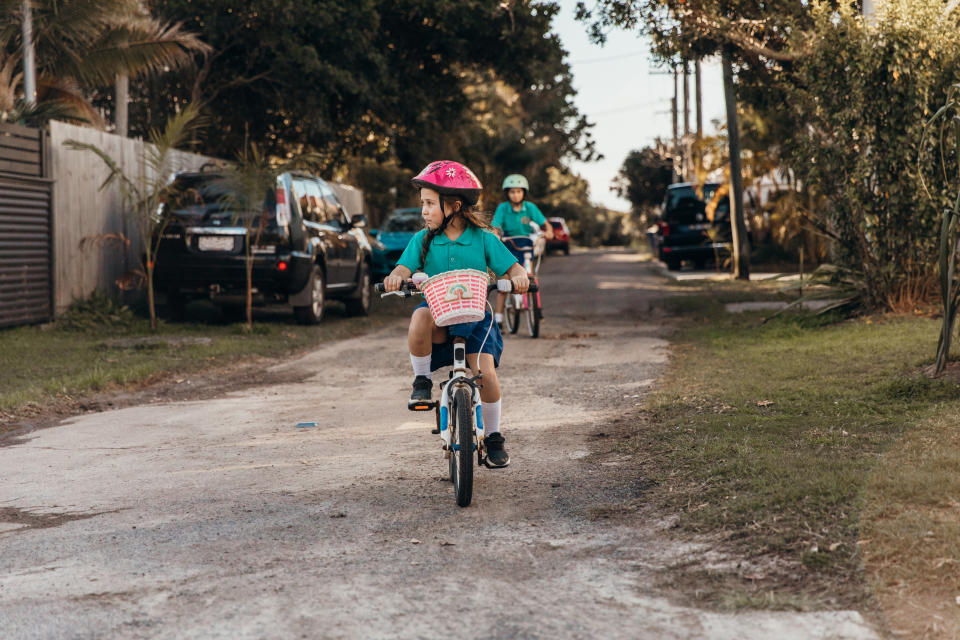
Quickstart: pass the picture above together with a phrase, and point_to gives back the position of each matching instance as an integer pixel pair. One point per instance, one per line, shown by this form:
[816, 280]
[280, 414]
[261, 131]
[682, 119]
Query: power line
[608, 58]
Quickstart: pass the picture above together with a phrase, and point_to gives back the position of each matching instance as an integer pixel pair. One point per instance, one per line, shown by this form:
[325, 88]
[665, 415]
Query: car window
[303, 199]
[315, 199]
[331, 203]
[404, 222]
[557, 225]
[207, 198]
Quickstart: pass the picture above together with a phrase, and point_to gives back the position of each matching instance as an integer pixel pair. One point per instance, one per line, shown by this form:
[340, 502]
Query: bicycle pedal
[420, 405]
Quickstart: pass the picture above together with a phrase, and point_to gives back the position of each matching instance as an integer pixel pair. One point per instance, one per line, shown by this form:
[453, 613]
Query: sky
[628, 99]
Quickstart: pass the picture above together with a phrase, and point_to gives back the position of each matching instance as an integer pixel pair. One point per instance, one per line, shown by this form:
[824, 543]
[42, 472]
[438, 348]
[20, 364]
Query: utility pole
[687, 159]
[741, 243]
[698, 99]
[673, 108]
[29, 66]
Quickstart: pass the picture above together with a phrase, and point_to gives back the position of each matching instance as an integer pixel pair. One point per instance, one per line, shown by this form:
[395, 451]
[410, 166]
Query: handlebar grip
[533, 288]
[379, 288]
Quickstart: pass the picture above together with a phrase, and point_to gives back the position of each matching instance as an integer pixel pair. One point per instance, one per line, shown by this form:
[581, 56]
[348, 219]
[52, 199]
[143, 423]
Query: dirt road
[221, 519]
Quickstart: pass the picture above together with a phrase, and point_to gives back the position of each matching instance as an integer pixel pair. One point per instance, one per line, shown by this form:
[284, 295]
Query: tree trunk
[741, 243]
[29, 66]
[122, 96]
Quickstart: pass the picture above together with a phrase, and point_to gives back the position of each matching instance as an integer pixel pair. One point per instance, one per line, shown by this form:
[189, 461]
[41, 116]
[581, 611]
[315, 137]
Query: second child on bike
[514, 218]
[456, 237]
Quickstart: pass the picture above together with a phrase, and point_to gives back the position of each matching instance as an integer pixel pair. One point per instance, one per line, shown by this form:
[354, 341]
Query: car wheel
[359, 303]
[176, 306]
[566, 250]
[673, 264]
[313, 312]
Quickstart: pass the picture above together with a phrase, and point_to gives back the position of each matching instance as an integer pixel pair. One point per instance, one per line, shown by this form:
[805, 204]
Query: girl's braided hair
[470, 214]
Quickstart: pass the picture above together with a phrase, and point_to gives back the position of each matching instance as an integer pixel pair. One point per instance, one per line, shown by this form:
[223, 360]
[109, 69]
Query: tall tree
[82, 45]
[386, 79]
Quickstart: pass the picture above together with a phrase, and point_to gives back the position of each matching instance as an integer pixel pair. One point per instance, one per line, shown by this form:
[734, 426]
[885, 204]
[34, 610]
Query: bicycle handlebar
[409, 288]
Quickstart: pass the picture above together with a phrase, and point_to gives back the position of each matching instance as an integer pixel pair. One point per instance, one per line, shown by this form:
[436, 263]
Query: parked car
[306, 249]
[688, 230]
[561, 236]
[395, 234]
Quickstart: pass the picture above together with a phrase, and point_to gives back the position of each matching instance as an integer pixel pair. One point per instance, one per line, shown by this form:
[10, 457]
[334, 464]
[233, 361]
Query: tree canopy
[387, 79]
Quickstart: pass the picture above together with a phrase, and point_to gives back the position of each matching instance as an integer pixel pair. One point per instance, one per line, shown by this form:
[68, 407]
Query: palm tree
[88, 44]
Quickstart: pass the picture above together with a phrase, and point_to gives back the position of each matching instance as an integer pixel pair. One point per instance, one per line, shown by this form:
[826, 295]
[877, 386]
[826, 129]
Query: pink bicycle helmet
[449, 178]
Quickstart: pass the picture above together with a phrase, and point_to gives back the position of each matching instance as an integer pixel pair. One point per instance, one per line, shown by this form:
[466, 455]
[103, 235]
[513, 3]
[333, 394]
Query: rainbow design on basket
[456, 297]
[458, 291]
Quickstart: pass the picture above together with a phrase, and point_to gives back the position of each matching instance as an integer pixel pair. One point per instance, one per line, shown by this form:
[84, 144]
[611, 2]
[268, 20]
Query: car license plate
[215, 243]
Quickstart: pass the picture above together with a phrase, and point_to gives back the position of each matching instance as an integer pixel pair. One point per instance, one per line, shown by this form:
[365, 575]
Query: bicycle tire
[462, 435]
[511, 315]
[533, 315]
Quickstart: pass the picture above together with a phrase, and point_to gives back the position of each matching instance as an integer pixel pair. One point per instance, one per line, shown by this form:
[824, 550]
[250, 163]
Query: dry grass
[911, 530]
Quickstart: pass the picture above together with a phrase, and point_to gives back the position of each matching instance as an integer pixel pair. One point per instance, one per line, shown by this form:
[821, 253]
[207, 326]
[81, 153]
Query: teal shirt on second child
[517, 223]
[475, 249]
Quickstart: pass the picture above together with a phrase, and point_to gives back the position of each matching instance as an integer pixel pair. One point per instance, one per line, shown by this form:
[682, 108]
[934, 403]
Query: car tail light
[281, 266]
[667, 249]
[664, 228]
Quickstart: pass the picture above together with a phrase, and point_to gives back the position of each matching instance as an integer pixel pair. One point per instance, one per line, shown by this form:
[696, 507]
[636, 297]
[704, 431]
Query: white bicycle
[459, 419]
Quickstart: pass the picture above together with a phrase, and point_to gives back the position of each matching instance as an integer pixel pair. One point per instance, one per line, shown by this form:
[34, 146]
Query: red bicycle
[528, 305]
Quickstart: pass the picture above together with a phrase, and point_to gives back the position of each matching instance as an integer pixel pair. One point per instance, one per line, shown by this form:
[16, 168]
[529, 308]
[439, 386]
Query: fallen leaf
[446, 543]
[764, 403]
[414, 541]
[939, 562]
[833, 547]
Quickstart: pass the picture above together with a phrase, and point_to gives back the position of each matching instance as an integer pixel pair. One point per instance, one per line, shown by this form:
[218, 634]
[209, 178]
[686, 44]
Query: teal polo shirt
[475, 249]
[517, 223]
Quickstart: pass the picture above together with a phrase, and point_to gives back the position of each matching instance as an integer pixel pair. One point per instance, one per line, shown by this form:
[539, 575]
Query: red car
[561, 236]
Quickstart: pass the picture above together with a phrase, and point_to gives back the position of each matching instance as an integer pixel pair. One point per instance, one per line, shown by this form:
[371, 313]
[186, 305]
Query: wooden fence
[89, 222]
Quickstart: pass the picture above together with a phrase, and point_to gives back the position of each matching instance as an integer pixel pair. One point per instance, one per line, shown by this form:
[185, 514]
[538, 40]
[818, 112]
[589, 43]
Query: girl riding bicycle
[513, 218]
[456, 238]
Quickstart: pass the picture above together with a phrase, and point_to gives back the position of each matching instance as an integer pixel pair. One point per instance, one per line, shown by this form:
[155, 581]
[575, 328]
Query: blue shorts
[474, 332]
[522, 243]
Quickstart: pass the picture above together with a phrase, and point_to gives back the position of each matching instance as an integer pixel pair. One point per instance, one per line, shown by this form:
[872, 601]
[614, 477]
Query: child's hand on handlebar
[520, 283]
[392, 283]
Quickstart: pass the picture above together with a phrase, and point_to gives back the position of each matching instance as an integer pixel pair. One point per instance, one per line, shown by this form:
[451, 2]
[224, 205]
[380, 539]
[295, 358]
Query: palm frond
[180, 130]
[66, 101]
[136, 47]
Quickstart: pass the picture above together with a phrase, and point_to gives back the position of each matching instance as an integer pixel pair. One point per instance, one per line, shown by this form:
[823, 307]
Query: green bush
[863, 94]
[98, 312]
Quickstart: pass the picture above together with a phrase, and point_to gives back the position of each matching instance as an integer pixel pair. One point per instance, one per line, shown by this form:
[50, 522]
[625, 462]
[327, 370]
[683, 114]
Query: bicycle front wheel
[533, 315]
[511, 314]
[461, 438]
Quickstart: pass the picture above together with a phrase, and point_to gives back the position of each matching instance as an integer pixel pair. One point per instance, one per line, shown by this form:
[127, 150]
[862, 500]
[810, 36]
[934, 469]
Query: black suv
[691, 227]
[306, 249]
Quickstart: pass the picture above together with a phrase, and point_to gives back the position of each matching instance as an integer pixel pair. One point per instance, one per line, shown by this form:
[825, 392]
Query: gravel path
[220, 519]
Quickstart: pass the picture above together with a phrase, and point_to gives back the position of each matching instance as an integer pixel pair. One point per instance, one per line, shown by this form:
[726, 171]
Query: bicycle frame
[459, 379]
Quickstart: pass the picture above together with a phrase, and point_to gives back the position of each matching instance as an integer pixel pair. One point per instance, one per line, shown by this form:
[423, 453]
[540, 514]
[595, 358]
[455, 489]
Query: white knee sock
[498, 317]
[421, 365]
[491, 417]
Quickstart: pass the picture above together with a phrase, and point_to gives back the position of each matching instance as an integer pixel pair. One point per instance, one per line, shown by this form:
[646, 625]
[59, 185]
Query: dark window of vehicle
[405, 222]
[207, 198]
[556, 225]
[311, 202]
[332, 204]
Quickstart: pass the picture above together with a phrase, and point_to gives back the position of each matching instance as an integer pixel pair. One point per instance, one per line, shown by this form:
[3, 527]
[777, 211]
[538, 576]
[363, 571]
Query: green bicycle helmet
[515, 181]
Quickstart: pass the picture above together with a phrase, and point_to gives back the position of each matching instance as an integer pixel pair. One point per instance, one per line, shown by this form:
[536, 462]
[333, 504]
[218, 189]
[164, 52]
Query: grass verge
[102, 346]
[767, 436]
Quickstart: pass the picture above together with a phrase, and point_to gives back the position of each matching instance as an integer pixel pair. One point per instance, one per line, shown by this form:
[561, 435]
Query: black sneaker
[422, 389]
[497, 456]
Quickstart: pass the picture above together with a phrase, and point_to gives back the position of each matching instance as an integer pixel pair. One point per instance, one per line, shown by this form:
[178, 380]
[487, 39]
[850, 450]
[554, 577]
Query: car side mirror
[358, 220]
